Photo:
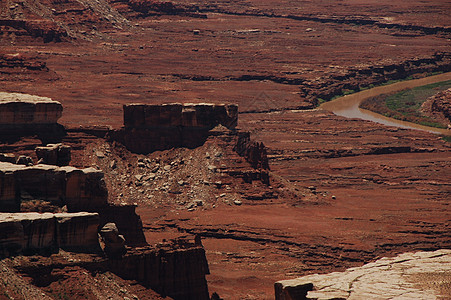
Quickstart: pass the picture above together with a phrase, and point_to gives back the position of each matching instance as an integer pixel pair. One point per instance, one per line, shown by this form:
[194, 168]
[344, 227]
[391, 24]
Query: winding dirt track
[348, 106]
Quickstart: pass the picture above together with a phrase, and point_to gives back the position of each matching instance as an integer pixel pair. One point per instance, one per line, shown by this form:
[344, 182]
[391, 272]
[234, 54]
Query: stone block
[79, 189]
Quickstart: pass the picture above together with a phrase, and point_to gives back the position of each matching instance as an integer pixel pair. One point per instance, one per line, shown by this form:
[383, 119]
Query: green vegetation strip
[406, 105]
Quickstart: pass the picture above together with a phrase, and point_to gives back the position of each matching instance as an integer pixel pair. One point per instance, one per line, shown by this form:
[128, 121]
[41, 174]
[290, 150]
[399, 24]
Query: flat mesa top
[24, 98]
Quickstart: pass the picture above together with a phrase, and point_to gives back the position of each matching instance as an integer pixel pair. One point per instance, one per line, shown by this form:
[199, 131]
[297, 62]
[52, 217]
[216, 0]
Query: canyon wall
[79, 189]
[149, 128]
[29, 233]
[176, 270]
[23, 114]
[21, 109]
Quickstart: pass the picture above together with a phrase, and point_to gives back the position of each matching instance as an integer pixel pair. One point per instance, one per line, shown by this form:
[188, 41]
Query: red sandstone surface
[342, 192]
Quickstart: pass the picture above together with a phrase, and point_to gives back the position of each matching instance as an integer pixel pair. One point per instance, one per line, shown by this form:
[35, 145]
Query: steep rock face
[9, 197]
[175, 114]
[177, 270]
[85, 189]
[421, 275]
[28, 115]
[157, 127]
[77, 231]
[79, 189]
[21, 109]
[30, 233]
[254, 152]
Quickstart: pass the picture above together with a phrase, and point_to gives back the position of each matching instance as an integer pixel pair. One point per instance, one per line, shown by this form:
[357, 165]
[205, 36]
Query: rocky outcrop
[421, 275]
[23, 109]
[24, 160]
[54, 154]
[202, 115]
[144, 8]
[254, 152]
[79, 189]
[29, 233]
[77, 231]
[45, 29]
[439, 107]
[149, 128]
[22, 115]
[175, 269]
[113, 242]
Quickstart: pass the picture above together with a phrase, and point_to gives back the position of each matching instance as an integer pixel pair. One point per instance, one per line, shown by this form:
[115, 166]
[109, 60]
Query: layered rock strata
[29, 233]
[20, 109]
[23, 114]
[157, 127]
[421, 275]
[176, 270]
[54, 154]
[79, 189]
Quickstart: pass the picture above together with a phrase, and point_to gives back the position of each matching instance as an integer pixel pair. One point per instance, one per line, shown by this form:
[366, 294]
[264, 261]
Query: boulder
[114, 243]
[24, 160]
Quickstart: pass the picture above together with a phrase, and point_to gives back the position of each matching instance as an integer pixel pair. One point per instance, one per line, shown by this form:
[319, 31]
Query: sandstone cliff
[176, 270]
[23, 114]
[19, 109]
[28, 233]
[157, 127]
[79, 189]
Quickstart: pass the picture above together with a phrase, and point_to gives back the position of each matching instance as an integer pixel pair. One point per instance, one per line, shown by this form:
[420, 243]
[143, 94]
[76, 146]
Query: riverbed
[348, 106]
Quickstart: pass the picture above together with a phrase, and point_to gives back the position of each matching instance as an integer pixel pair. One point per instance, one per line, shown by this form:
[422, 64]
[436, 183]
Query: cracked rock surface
[420, 275]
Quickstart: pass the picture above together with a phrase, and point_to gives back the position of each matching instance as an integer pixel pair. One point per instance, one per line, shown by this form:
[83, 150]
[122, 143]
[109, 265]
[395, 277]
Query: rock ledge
[420, 275]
